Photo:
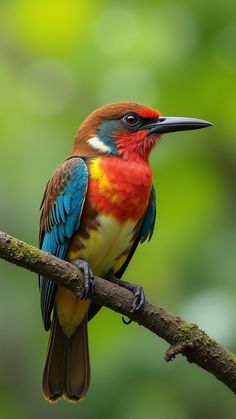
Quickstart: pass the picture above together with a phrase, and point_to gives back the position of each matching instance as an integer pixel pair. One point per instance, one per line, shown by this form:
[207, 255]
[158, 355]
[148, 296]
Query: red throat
[136, 145]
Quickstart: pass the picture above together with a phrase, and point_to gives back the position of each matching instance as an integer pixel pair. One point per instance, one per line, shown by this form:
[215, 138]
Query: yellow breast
[107, 247]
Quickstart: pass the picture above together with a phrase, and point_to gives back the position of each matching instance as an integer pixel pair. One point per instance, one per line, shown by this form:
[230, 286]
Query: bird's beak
[165, 124]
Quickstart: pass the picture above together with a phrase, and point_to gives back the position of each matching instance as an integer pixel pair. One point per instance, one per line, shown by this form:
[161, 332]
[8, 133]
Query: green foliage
[59, 60]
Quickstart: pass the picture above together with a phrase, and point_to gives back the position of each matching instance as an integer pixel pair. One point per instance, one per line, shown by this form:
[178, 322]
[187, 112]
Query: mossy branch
[185, 338]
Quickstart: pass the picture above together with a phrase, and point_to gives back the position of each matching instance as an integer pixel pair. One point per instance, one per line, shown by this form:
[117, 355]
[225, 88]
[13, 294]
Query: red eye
[131, 120]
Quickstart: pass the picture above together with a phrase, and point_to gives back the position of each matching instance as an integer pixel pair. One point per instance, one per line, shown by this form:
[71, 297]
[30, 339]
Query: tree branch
[184, 337]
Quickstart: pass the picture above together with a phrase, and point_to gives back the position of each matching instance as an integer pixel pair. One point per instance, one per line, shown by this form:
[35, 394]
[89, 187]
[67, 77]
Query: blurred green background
[59, 60]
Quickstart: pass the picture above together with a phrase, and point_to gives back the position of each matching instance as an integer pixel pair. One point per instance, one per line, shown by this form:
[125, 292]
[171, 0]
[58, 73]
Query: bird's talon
[135, 307]
[139, 297]
[126, 322]
[137, 290]
[89, 282]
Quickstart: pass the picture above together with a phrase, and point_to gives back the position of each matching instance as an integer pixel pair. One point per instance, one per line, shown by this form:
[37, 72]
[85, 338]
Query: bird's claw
[89, 282]
[126, 322]
[139, 297]
[137, 290]
[139, 300]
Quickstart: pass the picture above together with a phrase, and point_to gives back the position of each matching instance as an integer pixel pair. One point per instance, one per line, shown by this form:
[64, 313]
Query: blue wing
[61, 209]
[145, 232]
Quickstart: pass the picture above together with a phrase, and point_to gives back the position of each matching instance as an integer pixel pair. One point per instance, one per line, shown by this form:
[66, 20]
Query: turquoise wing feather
[61, 209]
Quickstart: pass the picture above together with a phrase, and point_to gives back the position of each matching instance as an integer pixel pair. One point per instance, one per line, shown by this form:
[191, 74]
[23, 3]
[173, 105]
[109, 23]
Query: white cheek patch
[96, 143]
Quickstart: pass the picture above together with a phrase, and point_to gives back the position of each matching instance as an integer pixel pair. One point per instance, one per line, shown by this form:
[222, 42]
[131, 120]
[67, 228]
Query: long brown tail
[67, 370]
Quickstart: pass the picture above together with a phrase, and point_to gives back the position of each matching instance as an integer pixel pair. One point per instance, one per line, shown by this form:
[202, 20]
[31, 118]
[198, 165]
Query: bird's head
[128, 130]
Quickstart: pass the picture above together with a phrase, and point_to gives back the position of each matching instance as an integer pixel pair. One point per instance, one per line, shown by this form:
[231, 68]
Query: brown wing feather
[55, 186]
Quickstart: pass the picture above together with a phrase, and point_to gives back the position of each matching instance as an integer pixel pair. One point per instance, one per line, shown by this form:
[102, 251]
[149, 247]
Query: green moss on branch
[184, 337]
[24, 251]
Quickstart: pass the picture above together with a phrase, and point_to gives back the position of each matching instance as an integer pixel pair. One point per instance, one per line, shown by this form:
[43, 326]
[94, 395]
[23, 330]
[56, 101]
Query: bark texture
[184, 338]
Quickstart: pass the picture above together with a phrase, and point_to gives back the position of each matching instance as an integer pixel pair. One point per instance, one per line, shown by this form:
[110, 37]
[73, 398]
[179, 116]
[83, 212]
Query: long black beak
[165, 124]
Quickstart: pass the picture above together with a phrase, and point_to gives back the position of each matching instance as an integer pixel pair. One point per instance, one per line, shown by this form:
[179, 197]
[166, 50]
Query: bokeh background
[59, 60]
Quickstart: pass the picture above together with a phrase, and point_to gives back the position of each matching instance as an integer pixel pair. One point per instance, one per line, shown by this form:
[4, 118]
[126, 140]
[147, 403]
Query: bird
[98, 206]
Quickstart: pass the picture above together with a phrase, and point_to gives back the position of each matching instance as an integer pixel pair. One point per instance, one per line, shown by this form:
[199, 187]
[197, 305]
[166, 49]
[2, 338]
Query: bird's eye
[131, 120]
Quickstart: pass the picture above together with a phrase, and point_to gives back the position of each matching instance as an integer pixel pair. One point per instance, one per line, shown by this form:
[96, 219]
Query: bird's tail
[67, 370]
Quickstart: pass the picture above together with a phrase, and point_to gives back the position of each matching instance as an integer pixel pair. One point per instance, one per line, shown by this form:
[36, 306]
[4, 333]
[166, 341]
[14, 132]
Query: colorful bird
[97, 207]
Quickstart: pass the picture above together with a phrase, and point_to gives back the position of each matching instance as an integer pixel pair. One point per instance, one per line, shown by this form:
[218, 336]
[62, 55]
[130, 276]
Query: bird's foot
[138, 291]
[139, 297]
[89, 282]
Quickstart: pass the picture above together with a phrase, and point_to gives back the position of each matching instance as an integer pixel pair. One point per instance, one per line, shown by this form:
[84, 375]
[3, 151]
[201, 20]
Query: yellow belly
[105, 249]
